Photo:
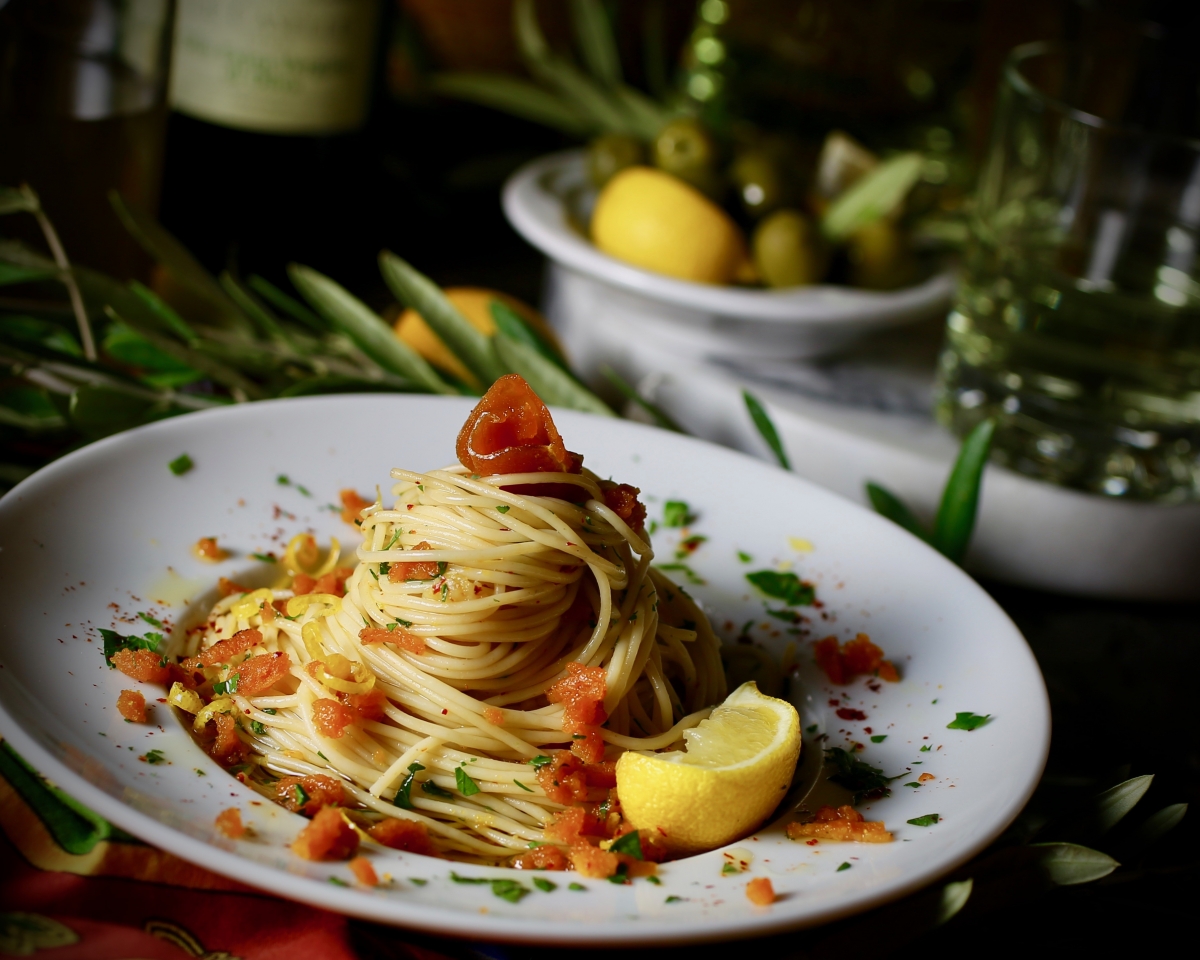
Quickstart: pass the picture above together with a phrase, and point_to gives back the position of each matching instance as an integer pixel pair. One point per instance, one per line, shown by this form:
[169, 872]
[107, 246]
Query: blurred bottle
[266, 159]
[82, 110]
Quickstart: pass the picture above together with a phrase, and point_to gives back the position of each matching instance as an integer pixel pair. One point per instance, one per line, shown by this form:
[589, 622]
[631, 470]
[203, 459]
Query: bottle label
[274, 66]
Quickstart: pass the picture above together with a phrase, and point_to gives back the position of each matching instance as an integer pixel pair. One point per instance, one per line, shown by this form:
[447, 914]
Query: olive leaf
[1109, 806]
[594, 35]
[514, 96]
[1155, 826]
[289, 305]
[766, 428]
[548, 380]
[362, 325]
[13, 200]
[259, 315]
[1068, 864]
[874, 196]
[889, 505]
[658, 415]
[955, 520]
[414, 289]
[11, 273]
[336, 383]
[514, 325]
[173, 255]
[100, 411]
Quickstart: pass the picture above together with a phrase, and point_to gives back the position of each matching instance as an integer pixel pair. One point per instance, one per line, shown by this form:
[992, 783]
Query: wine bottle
[266, 154]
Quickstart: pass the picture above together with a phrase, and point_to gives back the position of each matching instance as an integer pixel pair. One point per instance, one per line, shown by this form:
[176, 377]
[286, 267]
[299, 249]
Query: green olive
[610, 154]
[759, 181]
[788, 250]
[683, 148]
[880, 258]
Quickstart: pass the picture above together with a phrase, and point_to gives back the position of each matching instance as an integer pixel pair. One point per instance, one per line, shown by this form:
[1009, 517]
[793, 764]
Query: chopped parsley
[384, 567]
[114, 642]
[546, 886]
[621, 876]
[510, 890]
[300, 794]
[403, 623]
[271, 710]
[265, 557]
[431, 788]
[787, 616]
[673, 899]
[322, 756]
[677, 514]
[303, 489]
[258, 728]
[926, 821]
[418, 881]
[967, 721]
[539, 762]
[222, 687]
[654, 880]
[445, 591]
[395, 536]
[629, 844]
[689, 546]
[691, 575]
[283, 480]
[855, 775]
[912, 783]
[844, 866]
[503, 508]
[522, 786]
[576, 886]
[784, 586]
[151, 620]
[729, 869]
[811, 729]
[199, 772]
[744, 557]
[403, 798]
[181, 465]
[466, 785]
[338, 882]
[879, 738]
[153, 756]
[926, 748]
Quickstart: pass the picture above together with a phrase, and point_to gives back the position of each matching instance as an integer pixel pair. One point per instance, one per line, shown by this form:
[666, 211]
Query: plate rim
[493, 926]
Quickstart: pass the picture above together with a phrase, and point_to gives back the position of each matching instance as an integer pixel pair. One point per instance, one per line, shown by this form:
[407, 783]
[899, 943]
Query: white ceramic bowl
[586, 288]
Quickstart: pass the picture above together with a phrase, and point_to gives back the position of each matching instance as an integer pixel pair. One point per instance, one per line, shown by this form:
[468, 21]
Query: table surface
[1121, 679]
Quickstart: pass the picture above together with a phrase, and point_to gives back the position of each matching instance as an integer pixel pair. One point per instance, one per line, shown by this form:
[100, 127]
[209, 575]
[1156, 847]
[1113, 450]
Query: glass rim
[1020, 55]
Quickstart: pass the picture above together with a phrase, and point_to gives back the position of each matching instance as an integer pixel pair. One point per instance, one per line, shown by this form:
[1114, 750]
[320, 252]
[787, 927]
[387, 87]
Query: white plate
[105, 533]
[588, 287]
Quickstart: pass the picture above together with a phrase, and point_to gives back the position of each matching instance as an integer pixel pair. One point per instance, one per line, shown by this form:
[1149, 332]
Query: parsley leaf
[503, 508]
[844, 866]
[654, 880]
[460, 879]
[677, 514]
[879, 738]
[300, 794]
[222, 687]
[926, 748]
[338, 882]
[181, 465]
[538, 762]
[576, 886]
[271, 710]
[546, 886]
[466, 786]
[283, 480]
[784, 586]
[629, 844]
[926, 821]
[967, 721]
[403, 795]
[396, 531]
[258, 728]
[510, 890]
[522, 786]
[857, 776]
[673, 899]
[744, 557]
[153, 757]
[431, 788]
[151, 620]
[418, 881]
[114, 642]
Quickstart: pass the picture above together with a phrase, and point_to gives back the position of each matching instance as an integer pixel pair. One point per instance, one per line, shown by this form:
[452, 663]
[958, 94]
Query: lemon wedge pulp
[737, 767]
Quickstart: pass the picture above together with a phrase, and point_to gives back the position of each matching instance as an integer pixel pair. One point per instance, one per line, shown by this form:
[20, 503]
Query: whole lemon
[656, 221]
[474, 303]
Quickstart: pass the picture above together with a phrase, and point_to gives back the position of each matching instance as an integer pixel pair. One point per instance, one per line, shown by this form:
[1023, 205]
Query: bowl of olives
[711, 257]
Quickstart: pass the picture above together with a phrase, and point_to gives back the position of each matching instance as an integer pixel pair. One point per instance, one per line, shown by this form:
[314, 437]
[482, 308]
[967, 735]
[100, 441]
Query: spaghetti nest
[486, 630]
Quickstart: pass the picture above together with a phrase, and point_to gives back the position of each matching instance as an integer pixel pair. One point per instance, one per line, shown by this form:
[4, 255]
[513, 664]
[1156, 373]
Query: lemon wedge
[656, 221]
[737, 767]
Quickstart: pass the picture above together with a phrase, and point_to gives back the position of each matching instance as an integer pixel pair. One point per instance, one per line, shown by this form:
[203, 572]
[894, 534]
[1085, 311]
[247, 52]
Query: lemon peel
[737, 767]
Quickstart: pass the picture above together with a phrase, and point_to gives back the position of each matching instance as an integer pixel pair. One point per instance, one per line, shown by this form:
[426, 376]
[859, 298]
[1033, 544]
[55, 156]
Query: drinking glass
[1077, 321]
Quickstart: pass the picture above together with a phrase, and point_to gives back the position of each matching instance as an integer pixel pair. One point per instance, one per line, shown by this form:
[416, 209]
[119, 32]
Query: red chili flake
[849, 713]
